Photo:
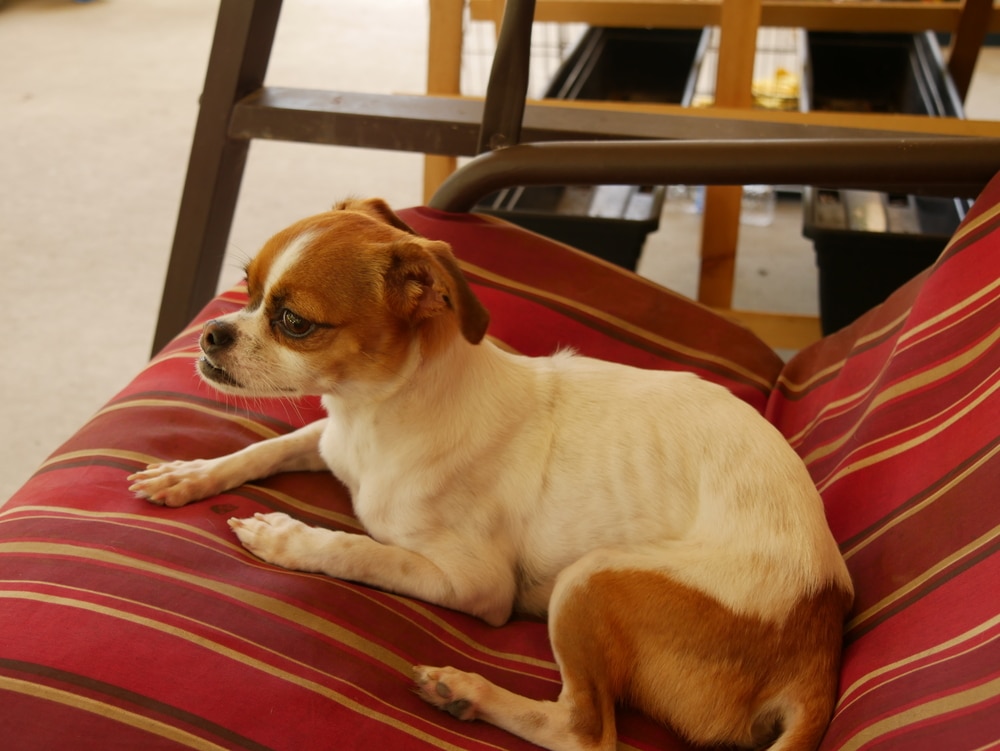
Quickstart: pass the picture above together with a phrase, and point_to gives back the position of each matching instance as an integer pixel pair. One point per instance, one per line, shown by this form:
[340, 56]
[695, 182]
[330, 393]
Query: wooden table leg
[444, 76]
[721, 216]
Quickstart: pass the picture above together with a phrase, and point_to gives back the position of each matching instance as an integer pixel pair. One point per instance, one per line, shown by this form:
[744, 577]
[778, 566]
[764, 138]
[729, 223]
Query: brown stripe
[942, 372]
[911, 506]
[855, 460]
[222, 402]
[903, 669]
[117, 712]
[250, 662]
[971, 231]
[618, 328]
[975, 303]
[919, 587]
[922, 714]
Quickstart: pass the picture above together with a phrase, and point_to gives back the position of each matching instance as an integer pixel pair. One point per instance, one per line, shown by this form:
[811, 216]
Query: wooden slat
[748, 119]
[778, 330]
[450, 125]
[905, 16]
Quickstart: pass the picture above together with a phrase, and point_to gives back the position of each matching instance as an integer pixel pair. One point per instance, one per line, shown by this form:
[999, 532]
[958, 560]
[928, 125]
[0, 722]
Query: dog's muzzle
[216, 337]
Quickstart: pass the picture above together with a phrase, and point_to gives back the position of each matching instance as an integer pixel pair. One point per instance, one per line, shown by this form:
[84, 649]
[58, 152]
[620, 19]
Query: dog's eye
[293, 325]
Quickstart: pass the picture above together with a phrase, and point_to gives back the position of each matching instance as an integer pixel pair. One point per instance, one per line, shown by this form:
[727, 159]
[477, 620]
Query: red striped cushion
[898, 419]
[124, 625]
[129, 626]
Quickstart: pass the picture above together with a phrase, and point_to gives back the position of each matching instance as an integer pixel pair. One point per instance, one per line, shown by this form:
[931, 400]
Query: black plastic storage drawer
[634, 65]
[867, 244]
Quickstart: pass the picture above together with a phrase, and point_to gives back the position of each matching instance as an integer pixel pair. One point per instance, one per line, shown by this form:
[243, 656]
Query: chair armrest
[932, 166]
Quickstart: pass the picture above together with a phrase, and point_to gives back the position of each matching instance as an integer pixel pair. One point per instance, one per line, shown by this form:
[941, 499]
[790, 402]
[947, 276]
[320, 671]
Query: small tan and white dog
[672, 535]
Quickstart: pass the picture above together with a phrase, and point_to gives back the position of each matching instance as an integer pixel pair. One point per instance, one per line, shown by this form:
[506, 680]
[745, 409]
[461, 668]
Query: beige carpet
[97, 106]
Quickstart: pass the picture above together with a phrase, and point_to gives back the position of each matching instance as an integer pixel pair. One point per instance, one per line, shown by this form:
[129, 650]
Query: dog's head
[340, 297]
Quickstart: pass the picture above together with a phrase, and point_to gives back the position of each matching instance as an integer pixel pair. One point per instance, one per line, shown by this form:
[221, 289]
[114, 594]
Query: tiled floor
[98, 102]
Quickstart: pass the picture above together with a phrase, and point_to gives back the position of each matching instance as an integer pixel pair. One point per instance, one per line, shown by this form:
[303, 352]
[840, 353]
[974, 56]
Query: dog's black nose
[216, 336]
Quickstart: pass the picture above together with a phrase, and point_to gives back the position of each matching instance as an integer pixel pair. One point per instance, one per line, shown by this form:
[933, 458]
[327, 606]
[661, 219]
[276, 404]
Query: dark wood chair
[236, 107]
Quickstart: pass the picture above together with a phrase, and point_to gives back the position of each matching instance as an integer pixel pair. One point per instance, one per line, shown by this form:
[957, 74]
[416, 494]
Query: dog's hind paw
[450, 690]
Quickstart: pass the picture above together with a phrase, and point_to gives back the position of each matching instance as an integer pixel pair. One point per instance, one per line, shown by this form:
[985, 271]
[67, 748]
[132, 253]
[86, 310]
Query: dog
[673, 538]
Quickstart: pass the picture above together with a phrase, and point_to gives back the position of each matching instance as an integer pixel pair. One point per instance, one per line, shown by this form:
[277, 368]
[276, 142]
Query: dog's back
[681, 550]
[605, 456]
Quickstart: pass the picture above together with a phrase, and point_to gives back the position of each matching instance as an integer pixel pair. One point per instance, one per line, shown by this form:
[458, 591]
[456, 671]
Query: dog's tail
[803, 726]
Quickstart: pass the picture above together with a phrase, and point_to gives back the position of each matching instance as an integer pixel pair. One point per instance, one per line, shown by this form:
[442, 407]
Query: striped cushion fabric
[123, 625]
[898, 419]
[128, 626]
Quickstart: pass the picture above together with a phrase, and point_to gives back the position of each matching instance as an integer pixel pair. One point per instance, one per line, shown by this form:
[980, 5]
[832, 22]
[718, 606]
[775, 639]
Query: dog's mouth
[212, 372]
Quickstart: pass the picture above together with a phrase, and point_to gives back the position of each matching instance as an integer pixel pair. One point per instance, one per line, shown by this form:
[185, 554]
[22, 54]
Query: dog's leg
[484, 589]
[621, 630]
[583, 717]
[567, 724]
[177, 483]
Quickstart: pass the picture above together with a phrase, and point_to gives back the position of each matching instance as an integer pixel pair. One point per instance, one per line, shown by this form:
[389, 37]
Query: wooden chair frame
[237, 107]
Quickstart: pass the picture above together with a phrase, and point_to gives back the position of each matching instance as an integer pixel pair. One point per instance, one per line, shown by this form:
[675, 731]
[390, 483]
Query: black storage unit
[631, 65]
[867, 244]
[609, 221]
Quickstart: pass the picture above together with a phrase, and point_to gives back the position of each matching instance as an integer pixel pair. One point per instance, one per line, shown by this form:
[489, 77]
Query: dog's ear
[376, 208]
[424, 281]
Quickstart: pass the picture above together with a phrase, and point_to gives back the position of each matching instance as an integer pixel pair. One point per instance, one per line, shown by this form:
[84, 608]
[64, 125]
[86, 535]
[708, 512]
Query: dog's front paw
[279, 539]
[457, 693]
[177, 483]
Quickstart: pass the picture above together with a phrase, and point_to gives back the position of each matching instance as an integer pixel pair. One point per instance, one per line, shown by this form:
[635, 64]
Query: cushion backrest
[898, 419]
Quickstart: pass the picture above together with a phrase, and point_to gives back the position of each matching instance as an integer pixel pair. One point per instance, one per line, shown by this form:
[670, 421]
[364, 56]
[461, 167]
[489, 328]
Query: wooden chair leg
[244, 34]
[967, 41]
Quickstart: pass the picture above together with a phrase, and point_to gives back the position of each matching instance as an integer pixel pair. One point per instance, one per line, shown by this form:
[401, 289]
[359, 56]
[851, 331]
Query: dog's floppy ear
[376, 208]
[424, 281]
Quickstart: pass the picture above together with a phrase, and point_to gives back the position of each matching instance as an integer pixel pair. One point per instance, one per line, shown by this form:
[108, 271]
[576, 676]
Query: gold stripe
[899, 389]
[48, 512]
[260, 601]
[130, 456]
[69, 699]
[839, 406]
[344, 520]
[236, 656]
[800, 386]
[917, 508]
[215, 542]
[974, 303]
[621, 323]
[106, 516]
[952, 417]
[211, 541]
[417, 606]
[181, 403]
[972, 634]
[974, 224]
[905, 337]
[923, 712]
[926, 576]
[905, 342]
